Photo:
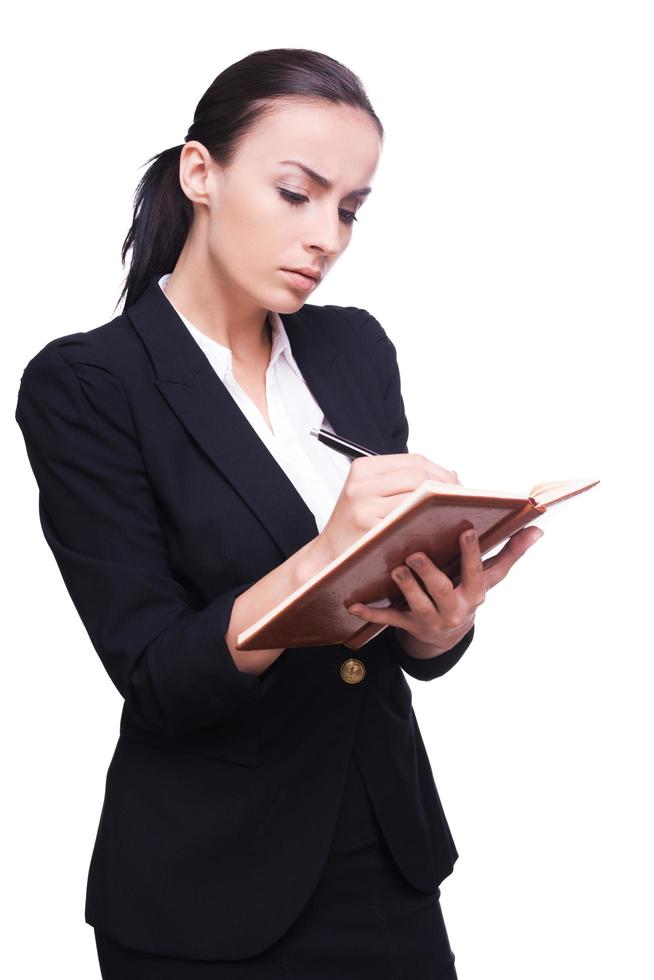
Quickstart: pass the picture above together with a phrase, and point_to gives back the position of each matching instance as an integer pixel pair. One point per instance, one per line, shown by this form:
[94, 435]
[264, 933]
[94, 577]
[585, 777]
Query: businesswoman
[267, 813]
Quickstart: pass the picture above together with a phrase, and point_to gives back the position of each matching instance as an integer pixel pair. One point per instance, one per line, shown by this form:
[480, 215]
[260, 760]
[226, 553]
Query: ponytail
[161, 221]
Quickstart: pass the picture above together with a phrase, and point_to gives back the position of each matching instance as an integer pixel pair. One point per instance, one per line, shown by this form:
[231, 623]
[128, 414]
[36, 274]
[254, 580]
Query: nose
[325, 233]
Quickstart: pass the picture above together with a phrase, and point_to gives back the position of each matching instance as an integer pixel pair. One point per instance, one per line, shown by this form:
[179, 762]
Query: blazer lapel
[202, 403]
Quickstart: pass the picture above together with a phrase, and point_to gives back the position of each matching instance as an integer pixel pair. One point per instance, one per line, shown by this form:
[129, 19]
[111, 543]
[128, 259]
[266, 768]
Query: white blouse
[317, 472]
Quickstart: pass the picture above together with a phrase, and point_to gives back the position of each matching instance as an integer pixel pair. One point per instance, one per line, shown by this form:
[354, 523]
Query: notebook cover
[430, 521]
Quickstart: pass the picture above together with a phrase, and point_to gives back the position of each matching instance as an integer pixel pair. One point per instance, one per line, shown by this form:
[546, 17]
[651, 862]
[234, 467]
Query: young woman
[269, 813]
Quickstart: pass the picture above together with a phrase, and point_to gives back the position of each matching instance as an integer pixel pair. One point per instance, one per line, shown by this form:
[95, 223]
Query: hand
[442, 615]
[375, 485]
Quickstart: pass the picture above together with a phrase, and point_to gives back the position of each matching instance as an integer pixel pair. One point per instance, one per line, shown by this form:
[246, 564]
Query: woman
[268, 813]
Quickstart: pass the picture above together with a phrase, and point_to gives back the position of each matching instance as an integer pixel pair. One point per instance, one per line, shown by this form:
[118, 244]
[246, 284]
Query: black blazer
[161, 504]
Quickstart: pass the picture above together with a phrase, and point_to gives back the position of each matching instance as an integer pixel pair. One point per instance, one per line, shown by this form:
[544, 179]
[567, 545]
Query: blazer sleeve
[170, 662]
[384, 359]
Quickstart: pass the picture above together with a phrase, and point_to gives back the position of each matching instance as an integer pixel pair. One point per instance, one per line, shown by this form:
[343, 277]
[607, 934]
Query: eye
[347, 217]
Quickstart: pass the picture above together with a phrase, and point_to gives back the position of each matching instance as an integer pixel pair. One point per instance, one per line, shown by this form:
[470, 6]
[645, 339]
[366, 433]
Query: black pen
[341, 445]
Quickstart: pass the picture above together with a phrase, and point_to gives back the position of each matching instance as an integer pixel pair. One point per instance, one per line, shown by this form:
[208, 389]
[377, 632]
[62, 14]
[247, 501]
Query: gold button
[352, 671]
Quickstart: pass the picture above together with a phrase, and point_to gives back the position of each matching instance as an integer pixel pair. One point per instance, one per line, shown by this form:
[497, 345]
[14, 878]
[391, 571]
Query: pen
[341, 445]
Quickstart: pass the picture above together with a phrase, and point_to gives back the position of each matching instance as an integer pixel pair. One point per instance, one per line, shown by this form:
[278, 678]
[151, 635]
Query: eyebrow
[323, 181]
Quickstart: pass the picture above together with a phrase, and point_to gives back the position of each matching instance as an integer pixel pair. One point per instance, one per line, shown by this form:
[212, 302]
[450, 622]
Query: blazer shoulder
[106, 346]
[364, 334]
[92, 362]
[358, 326]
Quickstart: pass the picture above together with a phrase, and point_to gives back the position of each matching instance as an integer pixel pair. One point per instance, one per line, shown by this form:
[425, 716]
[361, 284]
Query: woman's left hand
[442, 615]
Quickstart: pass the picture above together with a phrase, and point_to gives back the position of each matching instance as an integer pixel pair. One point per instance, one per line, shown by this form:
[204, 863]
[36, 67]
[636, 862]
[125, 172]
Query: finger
[374, 614]
[436, 472]
[497, 567]
[388, 462]
[391, 483]
[472, 570]
[439, 587]
[419, 601]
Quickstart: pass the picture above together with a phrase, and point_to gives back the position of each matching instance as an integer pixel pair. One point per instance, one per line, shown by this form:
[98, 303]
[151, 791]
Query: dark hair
[235, 100]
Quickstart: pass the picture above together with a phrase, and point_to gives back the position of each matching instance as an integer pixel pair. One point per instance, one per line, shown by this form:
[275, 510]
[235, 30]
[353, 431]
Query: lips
[311, 273]
[299, 280]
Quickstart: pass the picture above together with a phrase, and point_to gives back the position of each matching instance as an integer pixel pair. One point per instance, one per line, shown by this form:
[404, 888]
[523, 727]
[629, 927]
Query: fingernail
[470, 537]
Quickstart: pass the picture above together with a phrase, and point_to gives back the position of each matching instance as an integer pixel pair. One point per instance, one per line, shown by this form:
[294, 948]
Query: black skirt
[363, 920]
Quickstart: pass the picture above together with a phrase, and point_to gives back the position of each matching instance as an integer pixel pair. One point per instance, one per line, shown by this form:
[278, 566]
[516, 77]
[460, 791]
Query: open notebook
[430, 520]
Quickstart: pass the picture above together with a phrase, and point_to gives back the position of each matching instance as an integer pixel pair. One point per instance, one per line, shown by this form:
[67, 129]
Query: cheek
[250, 229]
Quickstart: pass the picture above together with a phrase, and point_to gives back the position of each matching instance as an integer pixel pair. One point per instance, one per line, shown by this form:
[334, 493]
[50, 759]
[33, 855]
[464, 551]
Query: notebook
[429, 520]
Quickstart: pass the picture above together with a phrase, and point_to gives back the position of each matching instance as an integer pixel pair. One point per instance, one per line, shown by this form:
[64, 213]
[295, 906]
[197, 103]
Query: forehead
[340, 142]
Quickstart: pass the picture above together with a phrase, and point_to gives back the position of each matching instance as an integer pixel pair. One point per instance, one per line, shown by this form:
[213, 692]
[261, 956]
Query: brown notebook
[430, 520]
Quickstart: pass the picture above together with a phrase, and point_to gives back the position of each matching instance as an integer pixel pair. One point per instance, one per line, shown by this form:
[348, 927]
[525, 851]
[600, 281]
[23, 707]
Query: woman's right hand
[374, 486]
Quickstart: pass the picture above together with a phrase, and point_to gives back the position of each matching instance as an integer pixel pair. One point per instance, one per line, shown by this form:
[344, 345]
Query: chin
[288, 304]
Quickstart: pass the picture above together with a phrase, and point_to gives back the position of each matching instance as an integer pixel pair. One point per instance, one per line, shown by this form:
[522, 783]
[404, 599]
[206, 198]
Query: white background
[507, 251]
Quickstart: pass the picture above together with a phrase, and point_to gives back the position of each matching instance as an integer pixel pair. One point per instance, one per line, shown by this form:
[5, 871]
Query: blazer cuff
[427, 669]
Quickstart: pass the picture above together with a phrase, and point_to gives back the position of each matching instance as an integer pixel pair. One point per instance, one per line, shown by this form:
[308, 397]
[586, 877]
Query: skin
[228, 276]
[435, 622]
[244, 231]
